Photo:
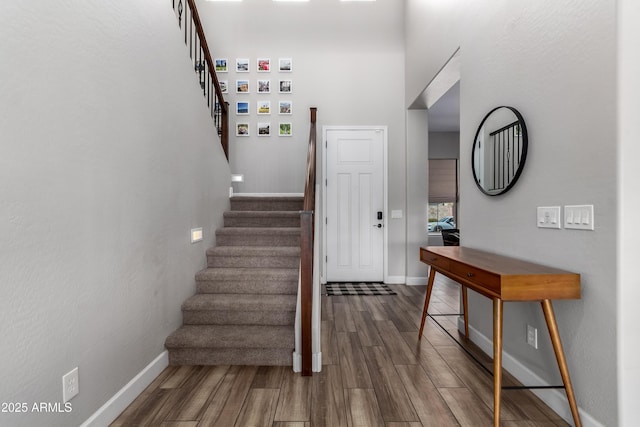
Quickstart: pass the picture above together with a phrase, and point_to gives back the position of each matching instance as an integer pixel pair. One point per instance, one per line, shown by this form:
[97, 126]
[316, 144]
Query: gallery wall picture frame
[263, 65]
[242, 86]
[242, 65]
[285, 129]
[285, 65]
[242, 108]
[284, 86]
[221, 65]
[264, 107]
[264, 129]
[264, 86]
[224, 86]
[242, 129]
[285, 107]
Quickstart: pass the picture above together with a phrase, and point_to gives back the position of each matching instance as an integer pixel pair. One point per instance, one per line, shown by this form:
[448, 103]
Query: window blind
[443, 180]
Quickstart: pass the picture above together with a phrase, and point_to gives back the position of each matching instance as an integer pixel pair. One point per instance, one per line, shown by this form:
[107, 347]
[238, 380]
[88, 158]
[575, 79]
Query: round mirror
[499, 150]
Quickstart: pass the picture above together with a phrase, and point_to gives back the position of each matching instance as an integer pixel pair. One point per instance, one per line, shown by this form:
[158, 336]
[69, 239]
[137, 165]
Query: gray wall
[348, 60]
[417, 171]
[444, 145]
[107, 158]
[628, 107]
[555, 62]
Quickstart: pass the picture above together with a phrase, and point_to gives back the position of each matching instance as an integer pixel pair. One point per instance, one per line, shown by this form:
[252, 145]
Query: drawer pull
[433, 259]
[470, 274]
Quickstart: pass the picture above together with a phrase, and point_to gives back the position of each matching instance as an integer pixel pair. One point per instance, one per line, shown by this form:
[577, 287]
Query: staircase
[244, 308]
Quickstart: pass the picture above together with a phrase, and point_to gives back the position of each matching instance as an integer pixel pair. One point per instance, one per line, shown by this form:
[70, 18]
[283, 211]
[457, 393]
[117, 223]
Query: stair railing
[189, 20]
[306, 252]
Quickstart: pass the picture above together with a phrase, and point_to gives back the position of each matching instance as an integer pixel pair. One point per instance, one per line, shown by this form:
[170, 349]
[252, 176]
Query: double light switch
[579, 217]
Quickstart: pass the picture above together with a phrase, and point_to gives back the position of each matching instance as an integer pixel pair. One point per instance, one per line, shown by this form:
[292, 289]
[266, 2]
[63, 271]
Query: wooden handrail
[215, 99]
[306, 251]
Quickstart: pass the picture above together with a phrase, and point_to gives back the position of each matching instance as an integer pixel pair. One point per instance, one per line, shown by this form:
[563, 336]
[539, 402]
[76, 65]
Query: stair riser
[246, 287]
[210, 317]
[266, 205]
[252, 262]
[258, 221]
[257, 240]
[230, 356]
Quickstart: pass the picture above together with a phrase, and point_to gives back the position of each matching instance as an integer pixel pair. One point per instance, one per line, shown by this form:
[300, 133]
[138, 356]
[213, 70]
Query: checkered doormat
[357, 289]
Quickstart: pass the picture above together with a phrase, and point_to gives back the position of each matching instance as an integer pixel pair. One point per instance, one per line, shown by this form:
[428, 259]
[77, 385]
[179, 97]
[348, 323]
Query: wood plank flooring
[375, 373]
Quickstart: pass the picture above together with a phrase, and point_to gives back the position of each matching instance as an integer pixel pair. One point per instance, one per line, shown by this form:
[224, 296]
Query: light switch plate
[549, 217]
[396, 214]
[579, 217]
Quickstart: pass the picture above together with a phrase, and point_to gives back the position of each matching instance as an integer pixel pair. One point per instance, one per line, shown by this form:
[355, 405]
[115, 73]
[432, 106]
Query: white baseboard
[297, 362]
[269, 194]
[416, 281]
[394, 280]
[316, 362]
[555, 399]
[127, 394]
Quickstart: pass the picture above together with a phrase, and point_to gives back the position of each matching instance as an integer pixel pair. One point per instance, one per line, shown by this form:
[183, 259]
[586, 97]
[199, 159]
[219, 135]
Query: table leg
[465, 311]
[497, 359]
[550, 317]
[432, 274]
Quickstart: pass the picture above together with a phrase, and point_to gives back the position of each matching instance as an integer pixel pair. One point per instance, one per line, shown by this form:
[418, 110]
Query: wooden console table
[505, 279]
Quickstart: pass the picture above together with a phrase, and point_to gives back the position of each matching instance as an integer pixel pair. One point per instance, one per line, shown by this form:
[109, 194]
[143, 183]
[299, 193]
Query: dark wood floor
[375, 373]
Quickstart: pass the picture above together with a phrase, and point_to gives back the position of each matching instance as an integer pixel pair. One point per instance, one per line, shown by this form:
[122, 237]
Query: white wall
[348, 60]
[628, 207]
[554, 62]
[108, 157]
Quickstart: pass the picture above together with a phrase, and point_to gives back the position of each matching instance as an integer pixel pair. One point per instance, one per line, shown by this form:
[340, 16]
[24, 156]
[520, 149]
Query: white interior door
[355, 205]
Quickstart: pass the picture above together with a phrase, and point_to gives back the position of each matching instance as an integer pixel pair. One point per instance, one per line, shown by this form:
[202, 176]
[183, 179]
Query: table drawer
[475, 275]
[435, 260]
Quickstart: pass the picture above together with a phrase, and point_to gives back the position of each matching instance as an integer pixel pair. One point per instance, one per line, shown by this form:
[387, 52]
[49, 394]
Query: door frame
[385, 133]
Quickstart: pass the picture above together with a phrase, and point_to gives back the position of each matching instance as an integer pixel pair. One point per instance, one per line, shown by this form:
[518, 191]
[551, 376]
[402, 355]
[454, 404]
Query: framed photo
[242, 129]
[242, 86]
[264, 107]
[224, 86]
[285, 107]
[284, 86]
[284, 129]
[264, 65]
[264, 86]
[285, 65]
[264, 129]
[221, 65]
[242, 108]
[242, 65]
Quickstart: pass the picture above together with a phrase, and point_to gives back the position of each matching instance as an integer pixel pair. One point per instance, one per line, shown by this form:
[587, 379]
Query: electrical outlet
[532, 336]
[70, 385]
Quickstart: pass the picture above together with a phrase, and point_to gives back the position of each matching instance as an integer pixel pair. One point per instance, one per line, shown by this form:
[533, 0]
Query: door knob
[377, 225]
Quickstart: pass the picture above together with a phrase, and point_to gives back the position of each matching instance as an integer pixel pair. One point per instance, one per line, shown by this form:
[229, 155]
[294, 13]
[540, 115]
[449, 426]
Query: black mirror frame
[523, 156]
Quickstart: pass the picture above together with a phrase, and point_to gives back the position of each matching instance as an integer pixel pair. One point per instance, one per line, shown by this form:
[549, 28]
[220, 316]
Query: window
[443, 194]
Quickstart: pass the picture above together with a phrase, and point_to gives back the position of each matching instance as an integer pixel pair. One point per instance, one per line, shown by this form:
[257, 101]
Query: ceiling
[444, 114]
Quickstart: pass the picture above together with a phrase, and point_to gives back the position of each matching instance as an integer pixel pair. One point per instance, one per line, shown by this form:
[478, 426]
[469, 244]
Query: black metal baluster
[509, 151]
[495, 162]
[500, 160]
